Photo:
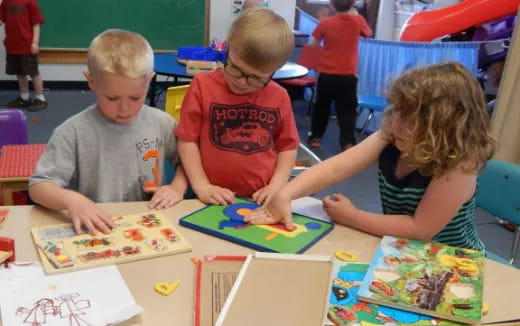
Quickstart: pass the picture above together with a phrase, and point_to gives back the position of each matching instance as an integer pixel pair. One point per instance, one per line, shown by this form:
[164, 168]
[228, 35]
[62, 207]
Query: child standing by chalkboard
[22, 20]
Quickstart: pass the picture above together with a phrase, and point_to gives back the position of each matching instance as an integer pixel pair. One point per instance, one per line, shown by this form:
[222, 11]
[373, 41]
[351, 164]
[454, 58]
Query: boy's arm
[365, 31]
[192, 162]
[81, 209]
[168, 195]
[441, 202]
[284, 164]
[35, 45]
[56, 171]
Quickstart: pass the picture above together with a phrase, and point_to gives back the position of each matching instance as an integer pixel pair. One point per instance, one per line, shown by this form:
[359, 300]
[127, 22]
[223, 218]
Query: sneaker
[314, 142]
[19, 103]
[37, 105]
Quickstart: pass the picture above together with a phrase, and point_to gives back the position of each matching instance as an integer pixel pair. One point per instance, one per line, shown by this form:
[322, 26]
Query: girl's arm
[441, 202]
[319, 177]
[337, 168]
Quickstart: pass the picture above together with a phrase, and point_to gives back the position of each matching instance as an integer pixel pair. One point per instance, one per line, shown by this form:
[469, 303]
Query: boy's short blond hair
[120, 52]
[262, 39]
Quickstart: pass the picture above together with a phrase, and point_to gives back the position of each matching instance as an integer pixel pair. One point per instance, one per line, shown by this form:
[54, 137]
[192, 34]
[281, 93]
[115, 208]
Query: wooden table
[502, 283]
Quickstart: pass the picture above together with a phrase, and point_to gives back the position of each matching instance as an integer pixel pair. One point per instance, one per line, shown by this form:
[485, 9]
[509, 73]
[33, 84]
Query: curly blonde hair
[444, 109]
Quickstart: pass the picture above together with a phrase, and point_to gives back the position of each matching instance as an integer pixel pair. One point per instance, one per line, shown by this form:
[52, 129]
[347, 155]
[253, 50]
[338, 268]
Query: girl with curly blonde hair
[433, 142]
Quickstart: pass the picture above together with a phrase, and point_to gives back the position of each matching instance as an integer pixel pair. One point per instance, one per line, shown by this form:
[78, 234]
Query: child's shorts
[21, 64]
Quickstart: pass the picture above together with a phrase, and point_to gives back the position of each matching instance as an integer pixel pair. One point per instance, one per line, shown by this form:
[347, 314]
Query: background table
[165, 64]
[17, 163]
[501, 282]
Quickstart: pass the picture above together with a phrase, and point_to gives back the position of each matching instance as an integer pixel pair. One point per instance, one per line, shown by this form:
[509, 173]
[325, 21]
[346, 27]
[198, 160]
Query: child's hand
[35, 48]
[265, 194]
[211, 194]
[278, 210]
[339, 208]
[164, 196]
[84, 211]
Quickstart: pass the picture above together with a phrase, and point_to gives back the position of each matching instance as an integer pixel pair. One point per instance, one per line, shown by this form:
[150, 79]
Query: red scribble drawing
[65, 306]
[72, 309]
[37, 314]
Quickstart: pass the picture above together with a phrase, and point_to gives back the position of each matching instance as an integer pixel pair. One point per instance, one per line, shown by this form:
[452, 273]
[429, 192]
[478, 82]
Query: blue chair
[372, 104]
[497, 194]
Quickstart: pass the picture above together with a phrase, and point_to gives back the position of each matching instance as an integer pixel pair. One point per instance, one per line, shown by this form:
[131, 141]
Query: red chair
[310, 58]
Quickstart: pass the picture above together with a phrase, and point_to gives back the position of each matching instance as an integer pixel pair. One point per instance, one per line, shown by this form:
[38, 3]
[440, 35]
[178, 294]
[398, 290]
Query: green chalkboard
[166, 24]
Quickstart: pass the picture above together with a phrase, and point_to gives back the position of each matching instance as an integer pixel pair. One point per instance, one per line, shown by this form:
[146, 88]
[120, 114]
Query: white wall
[221, 15]
[385, 20]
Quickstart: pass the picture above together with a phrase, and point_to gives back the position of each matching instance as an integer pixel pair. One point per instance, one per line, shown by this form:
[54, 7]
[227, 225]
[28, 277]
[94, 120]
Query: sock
[24, 96]
[40, 97]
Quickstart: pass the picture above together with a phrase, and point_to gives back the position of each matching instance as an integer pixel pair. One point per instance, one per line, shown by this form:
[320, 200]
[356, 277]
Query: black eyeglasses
[236, 72]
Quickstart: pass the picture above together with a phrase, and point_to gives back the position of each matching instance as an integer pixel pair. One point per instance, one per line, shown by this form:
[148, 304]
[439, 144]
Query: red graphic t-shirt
[340, 34]
[239, 136]
[19, 17]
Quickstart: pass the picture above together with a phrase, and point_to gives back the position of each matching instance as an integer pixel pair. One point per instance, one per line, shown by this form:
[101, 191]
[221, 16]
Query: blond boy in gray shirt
[114, 150]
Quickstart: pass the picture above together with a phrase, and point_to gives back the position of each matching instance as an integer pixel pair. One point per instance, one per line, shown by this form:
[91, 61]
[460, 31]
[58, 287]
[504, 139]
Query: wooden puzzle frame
[136, 237]
[214, 220]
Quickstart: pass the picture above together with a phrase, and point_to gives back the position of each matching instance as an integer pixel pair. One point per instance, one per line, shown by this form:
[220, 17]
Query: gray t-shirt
[105, 161]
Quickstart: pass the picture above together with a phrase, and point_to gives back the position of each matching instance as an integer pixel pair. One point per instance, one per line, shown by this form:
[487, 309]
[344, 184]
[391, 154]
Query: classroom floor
[362, 189]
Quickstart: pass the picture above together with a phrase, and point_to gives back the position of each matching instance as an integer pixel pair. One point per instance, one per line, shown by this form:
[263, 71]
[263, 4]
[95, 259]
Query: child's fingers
[107, 218]
[228, 196]
[100, 224]
[260, 216]
[150, 190]
[219, 199]
[77, 225]
[90, 227]
[288, 223]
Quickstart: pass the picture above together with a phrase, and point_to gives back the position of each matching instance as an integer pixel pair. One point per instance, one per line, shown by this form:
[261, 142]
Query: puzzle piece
[92, 242]
[116, 253]
[169, 235]
[56, 254]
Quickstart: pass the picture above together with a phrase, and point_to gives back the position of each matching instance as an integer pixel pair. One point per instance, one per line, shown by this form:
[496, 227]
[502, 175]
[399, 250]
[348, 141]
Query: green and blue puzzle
[227, 222]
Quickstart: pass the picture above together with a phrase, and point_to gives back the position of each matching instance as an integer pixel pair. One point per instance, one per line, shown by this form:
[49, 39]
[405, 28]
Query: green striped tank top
[402, 196]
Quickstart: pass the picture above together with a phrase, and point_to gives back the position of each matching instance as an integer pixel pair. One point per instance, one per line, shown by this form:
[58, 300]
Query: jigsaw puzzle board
[135, 237]
[227, 222]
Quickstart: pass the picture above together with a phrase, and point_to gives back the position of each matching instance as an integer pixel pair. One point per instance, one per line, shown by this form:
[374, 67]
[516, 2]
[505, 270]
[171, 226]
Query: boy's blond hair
[262, 39]
[120, 52]
[444, 110]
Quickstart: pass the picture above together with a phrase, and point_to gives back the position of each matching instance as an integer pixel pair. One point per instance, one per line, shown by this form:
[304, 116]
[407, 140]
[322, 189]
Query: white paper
[311, 207]
[97, 296]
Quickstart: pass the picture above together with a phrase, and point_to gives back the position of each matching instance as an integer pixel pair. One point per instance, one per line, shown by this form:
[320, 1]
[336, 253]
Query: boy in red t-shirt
[338, 80]
[237, 134]
[22, 20]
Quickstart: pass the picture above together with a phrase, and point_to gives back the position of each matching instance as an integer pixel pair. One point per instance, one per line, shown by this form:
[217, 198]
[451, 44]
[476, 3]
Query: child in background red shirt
[22, 20]
[338, 80]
